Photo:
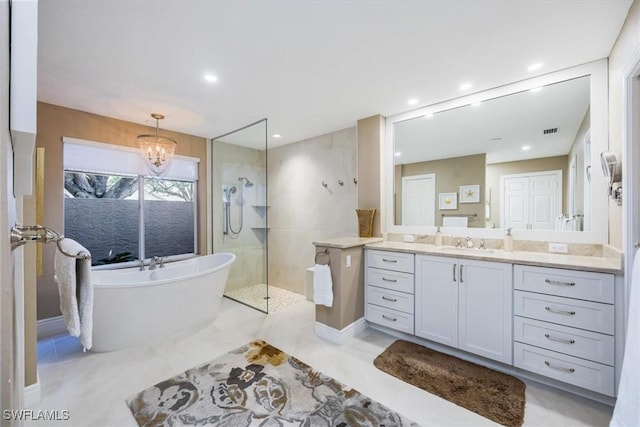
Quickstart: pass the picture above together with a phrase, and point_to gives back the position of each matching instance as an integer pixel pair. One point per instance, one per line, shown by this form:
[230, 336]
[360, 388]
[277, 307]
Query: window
[119, 214]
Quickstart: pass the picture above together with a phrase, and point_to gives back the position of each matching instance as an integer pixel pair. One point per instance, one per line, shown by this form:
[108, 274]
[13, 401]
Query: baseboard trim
[341, 336]
[32, 394]
[51, 326]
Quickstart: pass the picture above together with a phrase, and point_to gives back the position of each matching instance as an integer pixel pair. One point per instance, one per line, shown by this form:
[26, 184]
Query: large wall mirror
[519, 156]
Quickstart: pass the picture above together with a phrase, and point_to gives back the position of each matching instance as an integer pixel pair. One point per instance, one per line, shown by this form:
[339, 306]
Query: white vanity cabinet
[389, 278]
[465, 304]
[564, 326]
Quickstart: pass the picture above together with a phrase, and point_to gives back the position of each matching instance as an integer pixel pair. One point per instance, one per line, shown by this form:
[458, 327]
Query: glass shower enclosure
[239, 210]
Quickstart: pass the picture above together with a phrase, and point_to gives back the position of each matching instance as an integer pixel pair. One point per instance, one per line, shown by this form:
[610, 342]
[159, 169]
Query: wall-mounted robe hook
[324, 184]
[340, 182]
[355, 181]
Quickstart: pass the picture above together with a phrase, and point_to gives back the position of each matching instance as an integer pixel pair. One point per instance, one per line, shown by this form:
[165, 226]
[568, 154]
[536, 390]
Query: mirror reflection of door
[531, 200]
[418, 199]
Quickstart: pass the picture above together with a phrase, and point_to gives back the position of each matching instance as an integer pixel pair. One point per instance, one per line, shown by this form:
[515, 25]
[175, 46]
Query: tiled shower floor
[255, 296]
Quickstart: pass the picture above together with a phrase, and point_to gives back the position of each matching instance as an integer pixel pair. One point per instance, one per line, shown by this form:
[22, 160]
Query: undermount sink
[464, 249]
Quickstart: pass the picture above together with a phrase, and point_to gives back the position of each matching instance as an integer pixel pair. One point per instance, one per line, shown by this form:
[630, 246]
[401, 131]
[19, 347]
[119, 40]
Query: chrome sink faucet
[458, 242]
[141, 265]
[469, 242]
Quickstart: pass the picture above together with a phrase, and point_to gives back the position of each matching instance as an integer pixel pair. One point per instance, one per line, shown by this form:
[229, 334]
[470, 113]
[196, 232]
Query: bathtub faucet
[156, 260]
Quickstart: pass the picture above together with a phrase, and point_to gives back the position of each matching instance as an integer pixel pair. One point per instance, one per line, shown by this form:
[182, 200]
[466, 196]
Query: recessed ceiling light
[526, 147]
[398, 153]
[536, 89]
[412, 101]
[536, 66]
[277, 135]
[465, 86]
[210, 78]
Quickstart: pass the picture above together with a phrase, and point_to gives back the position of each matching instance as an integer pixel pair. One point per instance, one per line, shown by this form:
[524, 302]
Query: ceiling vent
[550, 130]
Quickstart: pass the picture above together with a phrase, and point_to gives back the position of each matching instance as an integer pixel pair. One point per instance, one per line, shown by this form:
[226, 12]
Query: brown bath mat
[494, 395]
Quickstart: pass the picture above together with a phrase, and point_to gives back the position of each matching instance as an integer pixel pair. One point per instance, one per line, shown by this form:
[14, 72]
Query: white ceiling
[310, 67]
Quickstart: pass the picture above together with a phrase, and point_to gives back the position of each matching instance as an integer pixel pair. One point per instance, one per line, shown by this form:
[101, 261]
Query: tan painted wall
[628, 42]
[450, 175]
[54, 122]
[534, 165]
[371, 133]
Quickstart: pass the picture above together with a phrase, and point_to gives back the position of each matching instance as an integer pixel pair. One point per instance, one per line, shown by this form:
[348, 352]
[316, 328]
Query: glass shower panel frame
[239, 211]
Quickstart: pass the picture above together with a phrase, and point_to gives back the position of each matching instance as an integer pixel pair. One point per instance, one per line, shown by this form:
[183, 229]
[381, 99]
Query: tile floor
[94, 386]
[255, 296]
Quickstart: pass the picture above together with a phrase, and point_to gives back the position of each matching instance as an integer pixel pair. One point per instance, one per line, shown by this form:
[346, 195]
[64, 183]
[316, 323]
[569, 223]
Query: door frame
[630, 173]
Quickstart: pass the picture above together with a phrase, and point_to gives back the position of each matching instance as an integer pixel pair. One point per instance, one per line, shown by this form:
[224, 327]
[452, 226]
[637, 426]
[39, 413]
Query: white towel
[76, 291]
[322, 285]
[455, 221]
[627, 410]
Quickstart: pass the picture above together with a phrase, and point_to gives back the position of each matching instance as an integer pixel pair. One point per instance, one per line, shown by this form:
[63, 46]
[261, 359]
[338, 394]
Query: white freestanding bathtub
[133, 307]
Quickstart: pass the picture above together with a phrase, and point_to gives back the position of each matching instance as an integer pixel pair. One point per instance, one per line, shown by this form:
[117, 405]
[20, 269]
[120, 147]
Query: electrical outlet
[409, 238]
[558, 247]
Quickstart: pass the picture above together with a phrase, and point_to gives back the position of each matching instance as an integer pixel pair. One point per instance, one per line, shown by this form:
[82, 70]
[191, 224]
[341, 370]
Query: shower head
[247, 183]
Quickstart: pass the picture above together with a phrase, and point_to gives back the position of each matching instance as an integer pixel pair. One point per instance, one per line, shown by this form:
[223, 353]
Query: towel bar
[474, 215]
[21, 234]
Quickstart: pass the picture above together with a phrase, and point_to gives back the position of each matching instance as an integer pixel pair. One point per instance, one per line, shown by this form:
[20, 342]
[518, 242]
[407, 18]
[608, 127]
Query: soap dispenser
[508, 241]
[438, 237]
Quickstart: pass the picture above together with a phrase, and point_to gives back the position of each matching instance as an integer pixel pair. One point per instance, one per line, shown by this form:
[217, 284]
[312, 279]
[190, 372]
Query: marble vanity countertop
[348, 242]
[540, 259]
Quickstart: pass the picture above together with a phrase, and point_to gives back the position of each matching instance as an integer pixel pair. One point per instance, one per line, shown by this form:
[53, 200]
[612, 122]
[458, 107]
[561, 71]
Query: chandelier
[157, 150]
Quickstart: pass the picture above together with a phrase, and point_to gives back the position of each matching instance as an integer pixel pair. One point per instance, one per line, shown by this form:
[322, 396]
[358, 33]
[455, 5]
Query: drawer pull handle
[564, 340]
[389, 280]
[389, 299]
[393, 319]
[558, 282]
[560, 368]
[553, 310]
[389, 260]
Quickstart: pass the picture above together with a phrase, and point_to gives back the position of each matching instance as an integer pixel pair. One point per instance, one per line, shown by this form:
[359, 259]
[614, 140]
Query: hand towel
[322, 285]
[76, 291]
[455, 221]
[627, 409]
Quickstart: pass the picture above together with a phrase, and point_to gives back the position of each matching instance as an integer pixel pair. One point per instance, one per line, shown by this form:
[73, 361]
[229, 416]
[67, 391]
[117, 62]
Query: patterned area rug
[257, 385]
[494, 395]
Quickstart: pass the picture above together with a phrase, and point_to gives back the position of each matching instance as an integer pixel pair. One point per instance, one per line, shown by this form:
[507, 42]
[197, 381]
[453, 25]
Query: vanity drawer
[572, 370]
[390, 299]
[394, 280]
[388, 260]
[566, 283]
[572, 341]
[390, 318]
[588, 315]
